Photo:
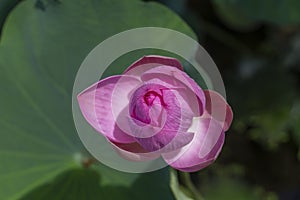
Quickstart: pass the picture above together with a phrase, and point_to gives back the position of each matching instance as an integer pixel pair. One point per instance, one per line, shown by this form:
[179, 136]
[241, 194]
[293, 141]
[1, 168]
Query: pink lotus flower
[155, 109]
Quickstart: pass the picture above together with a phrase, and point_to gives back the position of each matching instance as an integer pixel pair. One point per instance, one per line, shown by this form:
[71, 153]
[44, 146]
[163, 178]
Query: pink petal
[184, 98]
[171, 125]
[197, 167]
[202, 150]
[163, 124]
[120, 100]
[166, 141]
[178, 79]
[96, 106]
[134, 152]
[217, 107]
[144, 99]
[135, 116]
[150, 61]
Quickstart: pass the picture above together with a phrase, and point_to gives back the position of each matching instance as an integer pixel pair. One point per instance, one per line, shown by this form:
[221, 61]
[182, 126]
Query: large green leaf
[40, 53]
[272, 11]
[88, 184]
[5, 7]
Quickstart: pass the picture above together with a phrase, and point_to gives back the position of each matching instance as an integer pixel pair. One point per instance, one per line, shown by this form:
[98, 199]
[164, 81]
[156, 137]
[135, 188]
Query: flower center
[150, 96]
[146, 104]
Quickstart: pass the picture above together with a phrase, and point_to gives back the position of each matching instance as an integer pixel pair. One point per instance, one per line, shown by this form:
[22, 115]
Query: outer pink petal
[150, 61]
[96, 106]
[217, 107]
[134, 152]
[179, 79]
[203, 149]
[197, 167]
[166, 141]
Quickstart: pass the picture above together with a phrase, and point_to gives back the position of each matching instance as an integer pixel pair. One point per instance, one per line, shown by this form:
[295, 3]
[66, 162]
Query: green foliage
[262, 94]
[233, 17]
[243, 13]
[228, 189]
[78, 184]
[5, 7]
[40, 53]
[176, 188]
[226, 183]
[294, 123]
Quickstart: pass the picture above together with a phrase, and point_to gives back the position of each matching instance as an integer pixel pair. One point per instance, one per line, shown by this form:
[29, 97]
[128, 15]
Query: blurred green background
[255, 44]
